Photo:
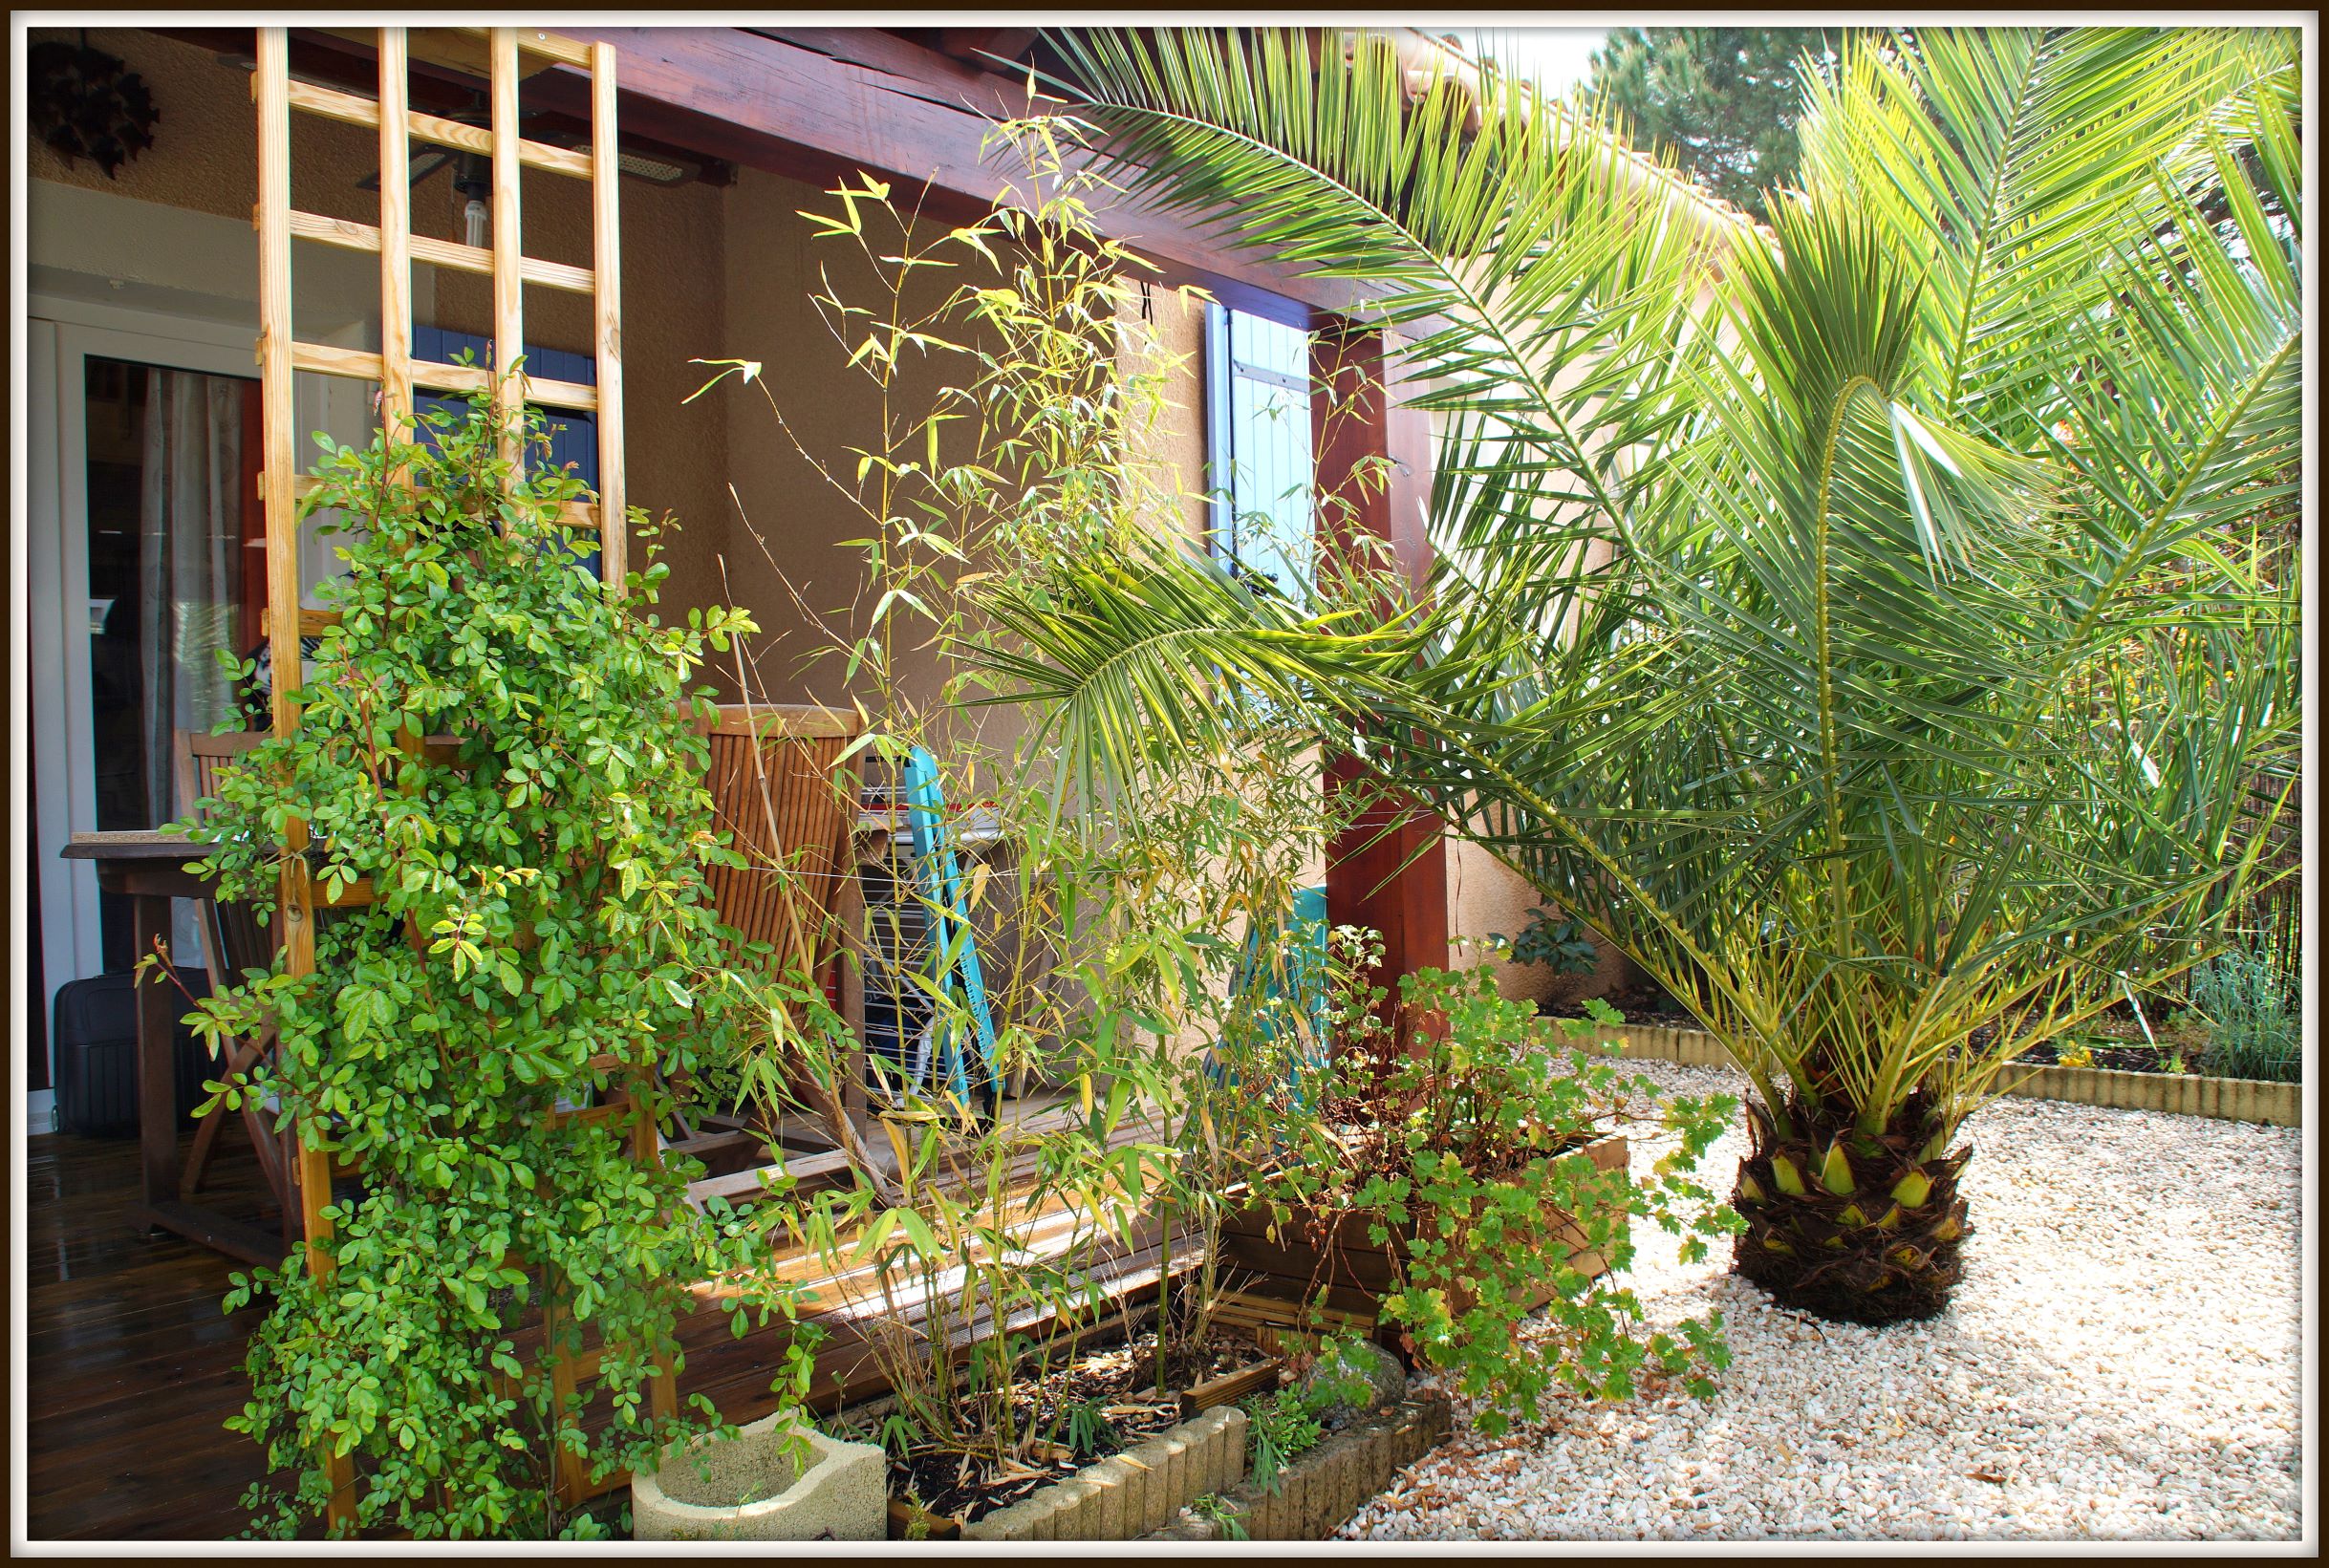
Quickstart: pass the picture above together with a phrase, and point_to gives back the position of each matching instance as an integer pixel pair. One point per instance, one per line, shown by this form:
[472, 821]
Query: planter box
[1131, 1494]
[749, 1487]
[2182, 1094]
[1354, 1271]
[1198, 1398]
[1325, 1487]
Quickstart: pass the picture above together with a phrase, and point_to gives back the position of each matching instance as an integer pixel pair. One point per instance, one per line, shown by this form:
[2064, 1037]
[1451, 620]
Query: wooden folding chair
[783, 790]
[237, 939]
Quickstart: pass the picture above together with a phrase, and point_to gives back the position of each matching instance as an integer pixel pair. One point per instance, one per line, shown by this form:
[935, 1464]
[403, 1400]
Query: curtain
[191, 526]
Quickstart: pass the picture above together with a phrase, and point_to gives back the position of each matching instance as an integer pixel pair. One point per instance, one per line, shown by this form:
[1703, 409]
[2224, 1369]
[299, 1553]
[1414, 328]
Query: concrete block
[1156, 1502]
[1180, 1473]
[1122, 1502]
[1077, 1516]
[1015, 1523]
[1235, 1438]
[758, 1486]
[1261, 1516]
[1357, 1476]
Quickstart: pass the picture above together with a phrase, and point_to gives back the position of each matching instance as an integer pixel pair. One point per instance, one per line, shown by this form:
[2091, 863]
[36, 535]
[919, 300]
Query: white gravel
[2122, 1360]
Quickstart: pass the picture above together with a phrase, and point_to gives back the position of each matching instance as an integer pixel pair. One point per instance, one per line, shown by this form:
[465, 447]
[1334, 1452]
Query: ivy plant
[497, 767]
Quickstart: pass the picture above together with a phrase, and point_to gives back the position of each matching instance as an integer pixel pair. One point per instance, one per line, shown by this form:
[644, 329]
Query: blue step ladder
[1302, 980]
[953, 946]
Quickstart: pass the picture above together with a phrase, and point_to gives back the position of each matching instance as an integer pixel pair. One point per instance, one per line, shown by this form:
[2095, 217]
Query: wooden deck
[132, 1367]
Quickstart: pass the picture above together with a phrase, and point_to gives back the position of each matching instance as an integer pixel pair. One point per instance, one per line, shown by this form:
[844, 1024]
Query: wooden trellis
[398, 375]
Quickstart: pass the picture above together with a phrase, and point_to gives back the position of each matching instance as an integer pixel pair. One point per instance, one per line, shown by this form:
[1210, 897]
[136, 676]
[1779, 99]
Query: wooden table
[150, 869]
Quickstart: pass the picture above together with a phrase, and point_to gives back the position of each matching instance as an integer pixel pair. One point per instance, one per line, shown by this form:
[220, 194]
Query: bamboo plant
[1010, 378]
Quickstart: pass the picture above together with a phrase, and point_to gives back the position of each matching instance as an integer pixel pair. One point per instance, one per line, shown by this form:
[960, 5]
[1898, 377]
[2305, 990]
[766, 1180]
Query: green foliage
[1565, 945]
[539, 937]
[1465, 1149]
[2251, 1030]
[1721, 102]
[1213, 1506]
[1280, 1429]
[1284, 1425]
[1090, 1432]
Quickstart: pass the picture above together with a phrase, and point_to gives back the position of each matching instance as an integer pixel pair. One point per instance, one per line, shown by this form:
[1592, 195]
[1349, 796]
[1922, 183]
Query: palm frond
[1885, 657]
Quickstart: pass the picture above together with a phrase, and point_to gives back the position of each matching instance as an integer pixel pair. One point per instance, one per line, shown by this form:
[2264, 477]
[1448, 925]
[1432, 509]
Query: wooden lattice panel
[398, 375]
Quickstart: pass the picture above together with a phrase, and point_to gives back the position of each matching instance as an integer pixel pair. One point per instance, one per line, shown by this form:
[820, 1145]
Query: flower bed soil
[2119, 1045]
[1649, 1006]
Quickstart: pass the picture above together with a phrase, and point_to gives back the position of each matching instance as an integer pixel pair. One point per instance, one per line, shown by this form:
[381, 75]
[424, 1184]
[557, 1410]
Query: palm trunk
[1846, 1227]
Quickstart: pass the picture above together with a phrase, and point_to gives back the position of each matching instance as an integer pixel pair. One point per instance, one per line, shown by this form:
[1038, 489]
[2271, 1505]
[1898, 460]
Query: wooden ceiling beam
[981, 46]
[811, 103]
[816, 104]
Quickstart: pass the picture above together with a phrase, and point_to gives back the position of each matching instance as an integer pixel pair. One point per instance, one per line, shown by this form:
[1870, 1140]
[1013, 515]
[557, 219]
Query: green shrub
[1288, 1424]
[1466, 1143]
[2251, 1032]
[1564, 945]
[540, 936]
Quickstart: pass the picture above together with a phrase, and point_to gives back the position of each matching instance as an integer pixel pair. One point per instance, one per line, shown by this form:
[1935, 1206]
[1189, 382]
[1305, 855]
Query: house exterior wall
[785, 557]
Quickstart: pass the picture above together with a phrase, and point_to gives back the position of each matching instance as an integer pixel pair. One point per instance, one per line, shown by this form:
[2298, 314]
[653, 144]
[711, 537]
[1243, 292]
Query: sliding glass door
[177, 578]
[145, 561]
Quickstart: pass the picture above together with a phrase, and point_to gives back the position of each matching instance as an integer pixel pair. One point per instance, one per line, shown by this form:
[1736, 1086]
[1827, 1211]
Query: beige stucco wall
[204, 159]
[784, 554]
[1486, 897]
[1171, 434]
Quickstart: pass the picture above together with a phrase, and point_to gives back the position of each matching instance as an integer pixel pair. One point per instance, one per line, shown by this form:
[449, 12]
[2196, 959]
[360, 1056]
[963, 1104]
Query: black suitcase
[95, 1036]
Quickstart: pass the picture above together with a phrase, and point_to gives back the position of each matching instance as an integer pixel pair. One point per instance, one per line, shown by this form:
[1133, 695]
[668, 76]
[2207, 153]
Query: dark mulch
[1649, 1006]
[1119, 1381]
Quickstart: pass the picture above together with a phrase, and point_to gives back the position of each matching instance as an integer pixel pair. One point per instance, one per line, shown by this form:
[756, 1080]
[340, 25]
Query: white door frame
[64, 335]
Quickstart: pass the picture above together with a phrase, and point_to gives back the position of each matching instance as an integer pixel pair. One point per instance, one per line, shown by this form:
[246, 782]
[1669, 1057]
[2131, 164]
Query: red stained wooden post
[1395, 882]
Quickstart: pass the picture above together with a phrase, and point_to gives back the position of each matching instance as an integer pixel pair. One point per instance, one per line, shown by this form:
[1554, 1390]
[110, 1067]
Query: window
[1257, 446]
[573, 436]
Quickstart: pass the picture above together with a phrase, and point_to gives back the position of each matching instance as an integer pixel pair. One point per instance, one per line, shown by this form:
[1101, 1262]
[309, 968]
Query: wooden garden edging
[2179, 1094]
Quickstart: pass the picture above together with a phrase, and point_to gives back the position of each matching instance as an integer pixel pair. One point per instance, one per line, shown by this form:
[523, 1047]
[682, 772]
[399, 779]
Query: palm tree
[1865, 629]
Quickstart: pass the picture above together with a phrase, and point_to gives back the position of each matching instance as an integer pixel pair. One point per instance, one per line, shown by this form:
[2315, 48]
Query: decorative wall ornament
[86, 103]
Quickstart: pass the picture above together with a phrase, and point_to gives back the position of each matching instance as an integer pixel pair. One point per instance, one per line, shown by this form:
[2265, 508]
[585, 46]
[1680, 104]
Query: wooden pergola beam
[815, 102]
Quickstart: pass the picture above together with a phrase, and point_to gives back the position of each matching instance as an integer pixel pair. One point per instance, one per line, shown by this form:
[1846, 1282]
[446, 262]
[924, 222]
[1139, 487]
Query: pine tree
[1724, 100]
